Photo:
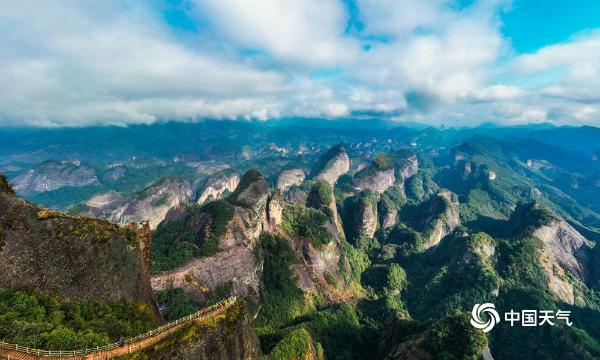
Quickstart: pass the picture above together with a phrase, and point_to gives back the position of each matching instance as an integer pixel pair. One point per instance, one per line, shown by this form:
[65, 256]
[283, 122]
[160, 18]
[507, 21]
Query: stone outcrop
[366, 220]
[334, 164]
[406, 164]
[441, 217]
[151, 204]
[217, 185]
[389, 217]
[565, 252]
[290, 177]
[234, 263]
[378, 177]
[274, 214]
[53, 175]
[230, 336]
[72, 257]
[376, 181]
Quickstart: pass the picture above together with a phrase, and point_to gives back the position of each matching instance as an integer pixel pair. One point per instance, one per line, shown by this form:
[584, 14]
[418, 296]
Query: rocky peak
[53, 175]
[5, 186]
[441, 217]
[151, 204]
[290, 177]
[334, 163]
[217, 185]
[378, 177]
[71, 256]
[405, 163]
[565, 251]
[252, 191]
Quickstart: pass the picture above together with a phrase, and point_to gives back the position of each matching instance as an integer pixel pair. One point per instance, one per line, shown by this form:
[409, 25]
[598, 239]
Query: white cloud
[298, 31]
[117, 62]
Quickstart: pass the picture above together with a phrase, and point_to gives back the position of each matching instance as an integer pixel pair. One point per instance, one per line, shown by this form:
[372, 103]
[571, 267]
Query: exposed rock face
[366, 220]
[567, 248]
[296, 195]
[377, 181]
[405, 163]
[274, 211]
[234, 263]
[443, 217]
[53, 175]
[290, 177]
[378, 177]
[230, 336]
[216, 185]
[151, 204]
[335, 163]
[114, 174]
[73, 257]
[388, 219]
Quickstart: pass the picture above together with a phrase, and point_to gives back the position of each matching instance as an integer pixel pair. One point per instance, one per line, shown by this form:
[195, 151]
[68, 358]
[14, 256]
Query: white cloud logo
[492, 315]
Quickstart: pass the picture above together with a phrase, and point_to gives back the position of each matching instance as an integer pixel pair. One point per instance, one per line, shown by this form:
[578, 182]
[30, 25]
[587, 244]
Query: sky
[451, 62]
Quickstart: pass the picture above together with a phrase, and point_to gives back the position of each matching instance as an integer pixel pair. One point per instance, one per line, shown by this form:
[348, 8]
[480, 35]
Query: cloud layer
[72, 63]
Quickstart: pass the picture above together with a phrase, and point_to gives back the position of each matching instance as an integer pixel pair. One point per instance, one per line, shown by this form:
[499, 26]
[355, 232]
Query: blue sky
[452, 62]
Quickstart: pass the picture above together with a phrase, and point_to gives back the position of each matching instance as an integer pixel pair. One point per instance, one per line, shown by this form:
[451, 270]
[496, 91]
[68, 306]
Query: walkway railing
[203, 313]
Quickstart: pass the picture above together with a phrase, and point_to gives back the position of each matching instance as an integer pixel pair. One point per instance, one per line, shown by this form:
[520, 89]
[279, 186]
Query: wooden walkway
[141, 342]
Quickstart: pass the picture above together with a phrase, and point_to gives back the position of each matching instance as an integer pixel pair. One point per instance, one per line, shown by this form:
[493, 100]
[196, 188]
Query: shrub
[307, 223]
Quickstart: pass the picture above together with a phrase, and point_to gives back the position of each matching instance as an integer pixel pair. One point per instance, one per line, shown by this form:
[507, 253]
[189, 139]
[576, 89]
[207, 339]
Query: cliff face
[376, 181]
[405, 163]
[335, 163]
[288, 178]
[73, 257]
[565, 252]
[233, 264]
[442, 217]
[216, 185]
[229, 336]
[53, 175]
[378, 177]
[151, 204]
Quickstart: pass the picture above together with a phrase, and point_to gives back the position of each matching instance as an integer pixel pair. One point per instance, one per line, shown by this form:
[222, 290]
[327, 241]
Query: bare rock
[288, 178]
[217, 185]
[334, 164]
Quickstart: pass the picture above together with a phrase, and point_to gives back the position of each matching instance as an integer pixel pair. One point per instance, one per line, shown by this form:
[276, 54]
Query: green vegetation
[320, 196]
[455, 338]
[297, 345]
[396, 278]
[5, 186]
[307, 223]
[353, 209]
[44, 321]
[381, 162]
[176, 305]
[282, 301]
[250, 177]
[329, 157]
[221, 213]
[173, 245]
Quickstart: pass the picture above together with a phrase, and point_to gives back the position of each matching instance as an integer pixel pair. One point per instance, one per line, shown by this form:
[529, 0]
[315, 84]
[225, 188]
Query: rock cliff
[150, 204]
[290, 177]
[234, 224]
[228, 336]
[441, 217]
[378, 177]
[53, 175]
[217, 185]
[334, 163]
[73, 257]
